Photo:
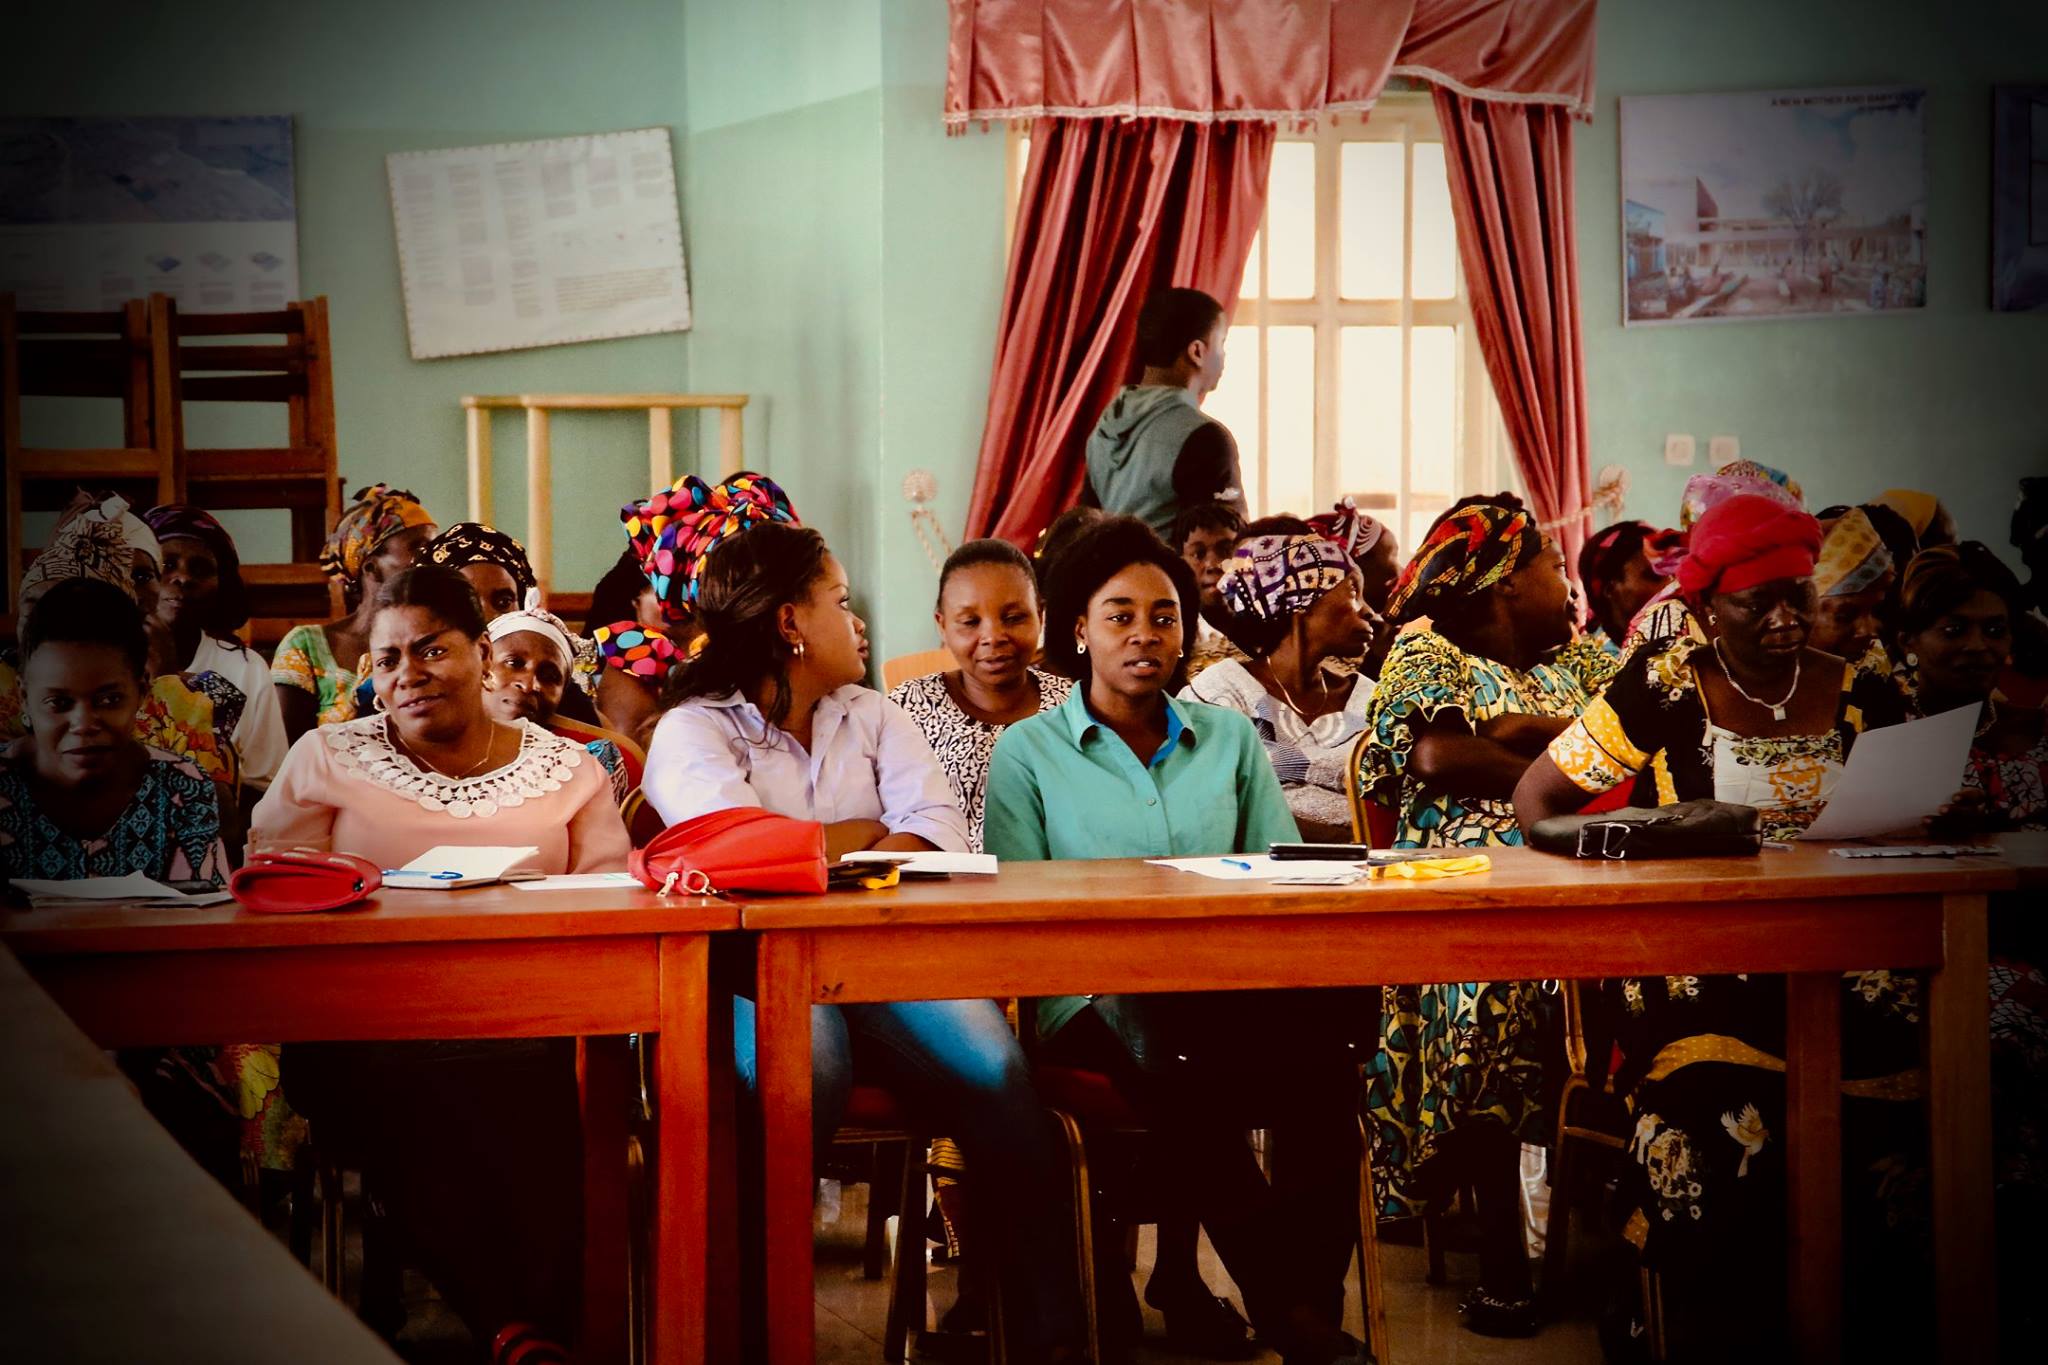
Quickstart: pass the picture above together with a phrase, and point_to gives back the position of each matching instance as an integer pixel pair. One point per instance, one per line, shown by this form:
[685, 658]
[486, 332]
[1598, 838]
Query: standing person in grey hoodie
[1155, 453]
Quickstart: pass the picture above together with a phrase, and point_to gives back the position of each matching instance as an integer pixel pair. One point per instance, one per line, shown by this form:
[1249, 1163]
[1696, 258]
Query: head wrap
[174, 520]
[376, 514]
[99, 542]
[1852, 556]
[1473, 546]
[1747, 540]
[1598, 567]
[641, 651]
[1356, 531]
[468, 542]
[672, 531]
[1919, 509]
[1949, 574]
[1270, 578]
[579, 656]
[1704, 491]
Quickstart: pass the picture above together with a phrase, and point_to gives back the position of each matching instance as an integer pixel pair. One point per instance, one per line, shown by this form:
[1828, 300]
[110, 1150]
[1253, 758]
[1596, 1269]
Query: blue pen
[1240, 864]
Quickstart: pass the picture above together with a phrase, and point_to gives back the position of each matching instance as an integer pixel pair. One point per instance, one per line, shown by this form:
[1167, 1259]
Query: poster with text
[97, 211]
[1746, 207]
[528, 244]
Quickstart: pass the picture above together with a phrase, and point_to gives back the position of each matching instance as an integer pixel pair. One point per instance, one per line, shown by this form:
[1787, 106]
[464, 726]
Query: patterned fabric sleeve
[1423, 676]
[614, 764]
[293, 665]
[193, 824]
[1873, 700]
[1590, 660]
[1611, 740]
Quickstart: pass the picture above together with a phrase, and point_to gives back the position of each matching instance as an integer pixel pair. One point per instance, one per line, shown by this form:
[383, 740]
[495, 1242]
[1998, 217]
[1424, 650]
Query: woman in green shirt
[1121, 770]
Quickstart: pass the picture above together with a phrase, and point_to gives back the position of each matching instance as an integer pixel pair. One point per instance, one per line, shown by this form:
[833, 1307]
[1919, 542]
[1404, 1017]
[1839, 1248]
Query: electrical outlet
[1678, 449]
[1724, 450]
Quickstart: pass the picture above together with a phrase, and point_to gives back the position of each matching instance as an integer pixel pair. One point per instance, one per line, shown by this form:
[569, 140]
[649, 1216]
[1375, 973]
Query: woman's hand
[1967, 812]
[851, 836]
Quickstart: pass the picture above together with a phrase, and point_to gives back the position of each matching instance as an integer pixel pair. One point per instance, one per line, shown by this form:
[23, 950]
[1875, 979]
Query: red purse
[742, 848]
[289, 882]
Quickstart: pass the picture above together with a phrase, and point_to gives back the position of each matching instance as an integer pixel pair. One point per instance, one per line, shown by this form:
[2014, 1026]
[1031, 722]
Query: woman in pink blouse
[475, 1144]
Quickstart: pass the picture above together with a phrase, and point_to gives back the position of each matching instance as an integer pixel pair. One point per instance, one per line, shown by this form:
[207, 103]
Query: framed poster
[539, 243]
[97, 211]
[2019, 198]
[1786, 204]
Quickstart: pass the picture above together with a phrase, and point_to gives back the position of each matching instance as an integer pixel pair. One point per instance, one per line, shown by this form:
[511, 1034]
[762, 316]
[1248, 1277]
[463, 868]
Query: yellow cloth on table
[1429, 869]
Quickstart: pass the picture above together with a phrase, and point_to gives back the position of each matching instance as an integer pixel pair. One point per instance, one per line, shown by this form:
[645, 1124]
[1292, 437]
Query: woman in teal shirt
[1121, 770]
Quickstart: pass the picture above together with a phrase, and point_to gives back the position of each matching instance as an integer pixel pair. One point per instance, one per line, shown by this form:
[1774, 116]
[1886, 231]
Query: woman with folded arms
[771, 713]
[478, 1151]
[1756, 716]
[1121, 770]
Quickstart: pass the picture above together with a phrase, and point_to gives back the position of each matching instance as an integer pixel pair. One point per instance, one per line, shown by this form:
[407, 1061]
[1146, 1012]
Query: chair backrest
[583, 733]
[643, 821]
[904, 667]
[1372, 824]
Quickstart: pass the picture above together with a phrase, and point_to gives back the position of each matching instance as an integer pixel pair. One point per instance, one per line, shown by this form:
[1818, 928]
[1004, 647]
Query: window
[1351, 365]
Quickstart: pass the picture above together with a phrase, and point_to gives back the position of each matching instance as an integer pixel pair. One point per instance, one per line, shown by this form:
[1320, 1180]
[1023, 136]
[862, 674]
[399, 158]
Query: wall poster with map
[96, 211]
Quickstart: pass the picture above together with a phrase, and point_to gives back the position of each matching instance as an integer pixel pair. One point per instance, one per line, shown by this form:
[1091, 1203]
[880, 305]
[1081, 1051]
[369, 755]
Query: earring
[1713, 618]
[799, 650]
[377, 702]
[1912, 659]
[1080, 646]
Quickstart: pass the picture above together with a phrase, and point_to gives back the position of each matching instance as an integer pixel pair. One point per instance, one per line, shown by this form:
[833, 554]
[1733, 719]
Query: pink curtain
[1111, 210]
[1228, 60]
[1511, 196]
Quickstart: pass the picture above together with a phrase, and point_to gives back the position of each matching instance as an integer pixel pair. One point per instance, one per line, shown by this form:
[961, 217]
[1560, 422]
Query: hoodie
[1154, 452]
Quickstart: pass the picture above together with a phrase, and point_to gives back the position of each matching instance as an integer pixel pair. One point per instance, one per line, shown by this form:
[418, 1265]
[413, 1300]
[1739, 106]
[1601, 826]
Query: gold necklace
[490, 747]
[1288, 697]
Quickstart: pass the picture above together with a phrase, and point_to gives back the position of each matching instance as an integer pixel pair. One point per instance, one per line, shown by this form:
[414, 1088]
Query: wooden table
[117, 1246]
[1064, 928]
[492, 962]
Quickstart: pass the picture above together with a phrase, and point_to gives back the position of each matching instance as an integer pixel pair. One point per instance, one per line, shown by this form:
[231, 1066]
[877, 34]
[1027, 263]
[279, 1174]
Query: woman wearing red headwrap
[1754, 715]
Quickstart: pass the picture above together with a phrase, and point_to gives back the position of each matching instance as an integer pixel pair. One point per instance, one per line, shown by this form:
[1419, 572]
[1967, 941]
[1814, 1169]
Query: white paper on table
[132, 887]
[1898, 776]
[449, 867]
[1261, 867]
[933, 864]
[579, 881]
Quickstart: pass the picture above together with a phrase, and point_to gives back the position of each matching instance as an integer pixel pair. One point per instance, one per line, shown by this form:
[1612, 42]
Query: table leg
[722, 1330]
[1813, 1154]
[783, 1049]
[682, 1106]
[604, 1070]
[1959, 1108]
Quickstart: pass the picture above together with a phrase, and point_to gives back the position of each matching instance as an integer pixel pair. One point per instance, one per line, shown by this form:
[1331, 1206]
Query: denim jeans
[955, 1065]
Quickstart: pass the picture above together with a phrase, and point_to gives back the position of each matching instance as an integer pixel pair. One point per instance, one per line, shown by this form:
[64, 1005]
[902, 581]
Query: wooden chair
[122, 356]
[904, 667]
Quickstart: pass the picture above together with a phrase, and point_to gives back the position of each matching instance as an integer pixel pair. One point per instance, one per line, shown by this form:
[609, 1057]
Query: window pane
[1290, 420]
[1291, 221]
[1371, 220]
[1369, 410]
[1433, 411]
[1235, 401]
[1435, 265]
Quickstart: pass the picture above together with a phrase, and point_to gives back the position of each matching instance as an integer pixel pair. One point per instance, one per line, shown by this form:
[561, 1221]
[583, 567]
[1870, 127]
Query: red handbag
[742, 848]
[288, 882]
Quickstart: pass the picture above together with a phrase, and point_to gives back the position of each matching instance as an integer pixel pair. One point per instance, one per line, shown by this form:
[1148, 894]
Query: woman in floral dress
[1753, 715]
[1460, 711]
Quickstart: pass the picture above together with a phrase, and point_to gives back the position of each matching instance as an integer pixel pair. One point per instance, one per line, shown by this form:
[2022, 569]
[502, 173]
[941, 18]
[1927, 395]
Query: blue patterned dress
[170, 830]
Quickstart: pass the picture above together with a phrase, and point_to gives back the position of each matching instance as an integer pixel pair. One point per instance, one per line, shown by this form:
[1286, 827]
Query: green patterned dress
[1454, 1052]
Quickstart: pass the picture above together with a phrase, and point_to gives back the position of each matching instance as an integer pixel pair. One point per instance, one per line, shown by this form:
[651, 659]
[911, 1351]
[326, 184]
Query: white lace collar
[546, 763]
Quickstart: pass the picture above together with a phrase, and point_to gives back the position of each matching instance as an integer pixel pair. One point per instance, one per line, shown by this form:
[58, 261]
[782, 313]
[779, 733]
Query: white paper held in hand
[1898, 776]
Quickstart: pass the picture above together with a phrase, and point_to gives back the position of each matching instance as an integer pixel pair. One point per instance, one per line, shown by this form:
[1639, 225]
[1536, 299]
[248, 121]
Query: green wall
[1951, 399]
[376, 76]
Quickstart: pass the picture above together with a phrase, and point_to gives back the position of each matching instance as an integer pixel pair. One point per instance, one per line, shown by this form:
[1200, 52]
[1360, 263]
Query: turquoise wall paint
[378, 76]
[1951, 399]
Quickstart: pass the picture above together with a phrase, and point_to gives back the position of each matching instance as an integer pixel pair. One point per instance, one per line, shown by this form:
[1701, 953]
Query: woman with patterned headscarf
[1618, 565]
[1293, 602]
[1370, 543]
[381, 532]
[667, 537]
[1852, 585]
[494, 563]
[1462, 707]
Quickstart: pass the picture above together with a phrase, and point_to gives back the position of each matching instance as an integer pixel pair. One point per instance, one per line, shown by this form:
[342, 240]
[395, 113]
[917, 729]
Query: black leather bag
[1690, 829]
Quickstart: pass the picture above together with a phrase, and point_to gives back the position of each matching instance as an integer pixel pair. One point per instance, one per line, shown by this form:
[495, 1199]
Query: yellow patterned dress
[1453, 1052]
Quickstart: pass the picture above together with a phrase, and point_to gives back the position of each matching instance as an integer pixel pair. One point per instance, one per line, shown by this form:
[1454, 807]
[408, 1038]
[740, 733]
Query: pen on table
[1240, 864]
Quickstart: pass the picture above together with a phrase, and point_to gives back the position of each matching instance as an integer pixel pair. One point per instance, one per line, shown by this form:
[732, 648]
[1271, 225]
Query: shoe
[1494, 1317]
[1202, 1324]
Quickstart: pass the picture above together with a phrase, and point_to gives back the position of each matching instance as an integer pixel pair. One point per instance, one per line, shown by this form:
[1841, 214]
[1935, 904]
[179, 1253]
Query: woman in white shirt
[1294, 601]
[770, 712]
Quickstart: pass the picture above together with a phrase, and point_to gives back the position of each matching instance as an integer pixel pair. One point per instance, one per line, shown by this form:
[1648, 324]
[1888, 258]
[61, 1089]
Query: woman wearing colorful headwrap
[1756, 716]
[1293, 602]
[536, 663]
[1370, 543]
[1619, 567]
[1852, 582]
[381, 532]
[1666, 615]
[200, 603]
[667, 537]
[1462, 707]
[494, 563]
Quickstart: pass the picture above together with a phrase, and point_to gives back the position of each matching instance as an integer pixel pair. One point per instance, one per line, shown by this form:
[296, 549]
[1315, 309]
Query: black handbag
[1690, 829]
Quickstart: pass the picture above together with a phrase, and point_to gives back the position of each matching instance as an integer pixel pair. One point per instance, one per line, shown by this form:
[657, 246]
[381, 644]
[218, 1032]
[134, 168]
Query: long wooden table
[1066, 928]
[491, 962]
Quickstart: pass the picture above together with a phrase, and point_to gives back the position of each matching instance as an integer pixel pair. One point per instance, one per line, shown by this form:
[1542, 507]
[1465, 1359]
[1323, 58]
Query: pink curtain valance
[1265, 60]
